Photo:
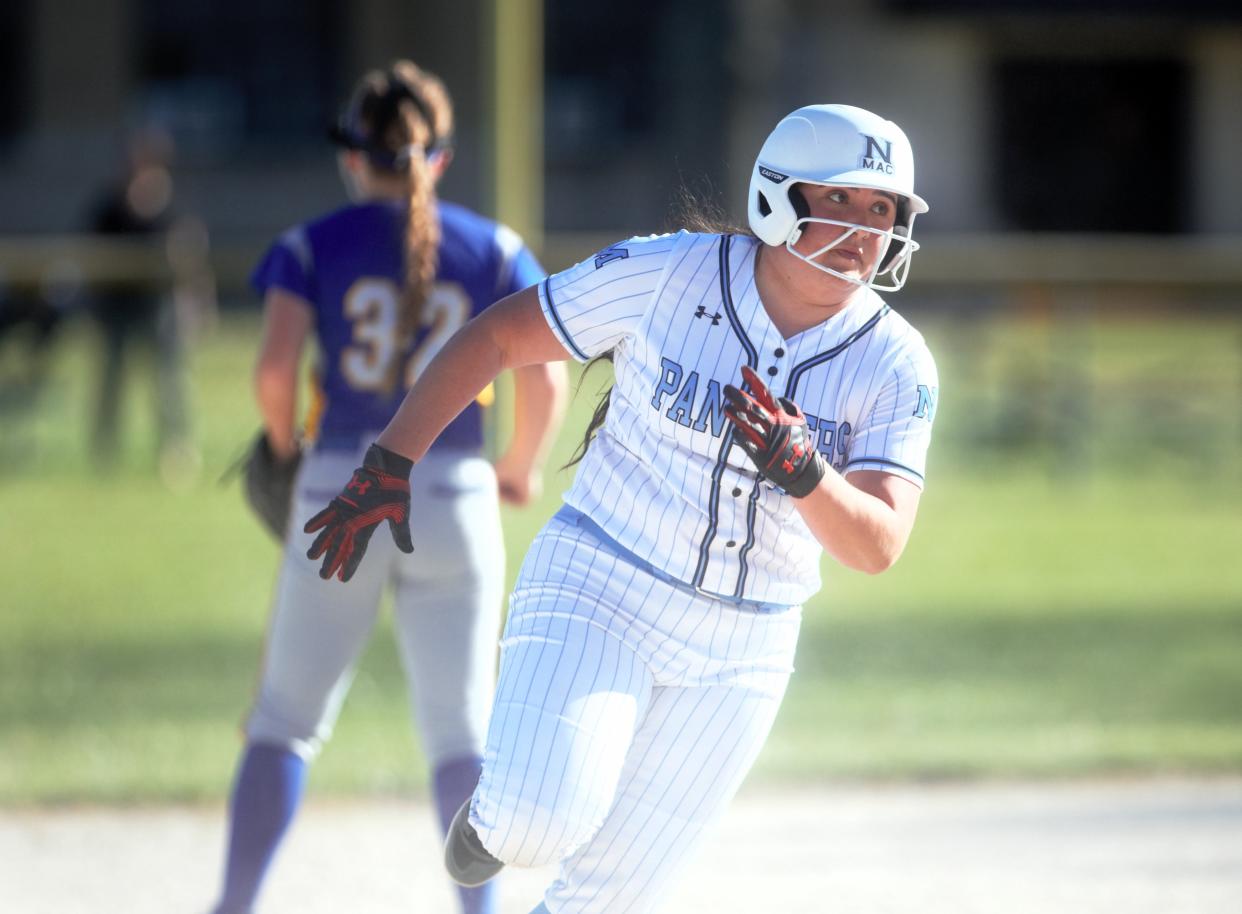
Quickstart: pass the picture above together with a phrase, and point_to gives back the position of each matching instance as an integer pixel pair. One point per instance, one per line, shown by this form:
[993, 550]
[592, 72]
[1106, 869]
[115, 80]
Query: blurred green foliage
[1070, 602]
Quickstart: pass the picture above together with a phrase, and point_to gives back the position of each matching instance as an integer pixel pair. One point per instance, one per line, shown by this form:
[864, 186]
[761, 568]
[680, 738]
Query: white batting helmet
[837, 146]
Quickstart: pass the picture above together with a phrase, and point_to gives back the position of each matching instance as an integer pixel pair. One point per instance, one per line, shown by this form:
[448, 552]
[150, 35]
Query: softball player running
[381, 285]
[768, 405]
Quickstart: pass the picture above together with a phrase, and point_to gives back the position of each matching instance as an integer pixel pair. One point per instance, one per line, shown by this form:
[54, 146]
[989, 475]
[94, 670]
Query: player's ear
[350, 160]
[438, 162]
[352, 167]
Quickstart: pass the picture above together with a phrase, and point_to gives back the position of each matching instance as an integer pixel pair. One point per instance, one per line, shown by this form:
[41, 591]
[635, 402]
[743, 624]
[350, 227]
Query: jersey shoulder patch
[640, 246]
[609, 254]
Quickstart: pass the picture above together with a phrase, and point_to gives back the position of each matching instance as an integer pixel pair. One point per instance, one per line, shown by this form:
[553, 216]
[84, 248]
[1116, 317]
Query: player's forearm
[540, 393]
[510, 334]
[275, 389]
[856, 528]
[468, 363]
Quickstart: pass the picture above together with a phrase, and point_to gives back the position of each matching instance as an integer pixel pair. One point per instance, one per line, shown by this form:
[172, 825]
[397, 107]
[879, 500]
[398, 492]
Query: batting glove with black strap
[774, 434]
[378, 491]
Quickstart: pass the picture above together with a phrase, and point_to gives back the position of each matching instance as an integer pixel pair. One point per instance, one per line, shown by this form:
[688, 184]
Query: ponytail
[400, 118]
[598, 417]
[421, 244]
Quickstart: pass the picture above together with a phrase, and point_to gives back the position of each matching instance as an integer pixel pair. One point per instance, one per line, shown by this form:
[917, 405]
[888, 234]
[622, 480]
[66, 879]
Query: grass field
[1071, 602]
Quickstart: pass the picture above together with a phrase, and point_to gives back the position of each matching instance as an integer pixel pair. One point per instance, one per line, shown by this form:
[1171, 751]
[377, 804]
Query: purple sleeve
[527, 271]
[286, 265]
[517, 268]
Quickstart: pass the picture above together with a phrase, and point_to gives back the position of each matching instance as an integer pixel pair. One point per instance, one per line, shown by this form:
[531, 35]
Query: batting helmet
[837, 146]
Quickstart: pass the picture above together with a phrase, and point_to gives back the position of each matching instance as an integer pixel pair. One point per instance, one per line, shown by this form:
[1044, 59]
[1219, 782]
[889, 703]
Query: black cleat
[465, 858]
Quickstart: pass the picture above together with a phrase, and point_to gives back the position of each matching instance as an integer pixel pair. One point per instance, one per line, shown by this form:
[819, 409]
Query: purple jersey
[349, 266]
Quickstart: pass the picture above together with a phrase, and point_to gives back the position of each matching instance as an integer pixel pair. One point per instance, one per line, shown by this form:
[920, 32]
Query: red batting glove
[378, 491]
[774, 434]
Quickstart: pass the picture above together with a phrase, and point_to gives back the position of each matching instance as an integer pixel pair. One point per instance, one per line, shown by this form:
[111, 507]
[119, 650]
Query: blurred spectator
[29, 324]
[142, 314]
[31, 319]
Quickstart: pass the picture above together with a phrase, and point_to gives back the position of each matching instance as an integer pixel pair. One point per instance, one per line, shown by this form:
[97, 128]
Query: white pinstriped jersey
[663, 477]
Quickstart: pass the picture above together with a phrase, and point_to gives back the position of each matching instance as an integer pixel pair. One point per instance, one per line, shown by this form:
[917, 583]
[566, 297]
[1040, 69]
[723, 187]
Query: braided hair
[401, 118]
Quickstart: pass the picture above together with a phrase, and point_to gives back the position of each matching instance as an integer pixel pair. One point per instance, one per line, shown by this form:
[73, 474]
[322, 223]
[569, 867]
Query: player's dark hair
[399, 117]
[598, 417]
[693, 211]
[698, 209]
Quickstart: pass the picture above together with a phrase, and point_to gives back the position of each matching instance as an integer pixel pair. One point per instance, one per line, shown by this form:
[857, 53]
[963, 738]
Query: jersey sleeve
[593, 306]
[897, 431]
[517, 268]
[288, 264]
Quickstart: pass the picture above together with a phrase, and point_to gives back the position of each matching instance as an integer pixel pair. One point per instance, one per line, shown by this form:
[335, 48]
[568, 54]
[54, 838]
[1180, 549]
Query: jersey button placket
[778, 352]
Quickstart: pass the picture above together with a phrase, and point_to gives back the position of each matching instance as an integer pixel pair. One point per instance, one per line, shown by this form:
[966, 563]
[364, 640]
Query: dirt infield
[1146, 847]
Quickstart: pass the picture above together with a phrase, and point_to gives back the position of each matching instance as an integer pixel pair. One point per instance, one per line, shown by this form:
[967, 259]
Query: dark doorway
[1092, 145]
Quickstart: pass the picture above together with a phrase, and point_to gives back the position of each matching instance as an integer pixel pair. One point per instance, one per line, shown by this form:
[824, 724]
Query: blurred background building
[1095, 116]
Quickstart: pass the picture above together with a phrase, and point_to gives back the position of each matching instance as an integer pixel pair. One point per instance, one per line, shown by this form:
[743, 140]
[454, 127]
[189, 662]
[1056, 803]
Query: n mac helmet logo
[878, 155]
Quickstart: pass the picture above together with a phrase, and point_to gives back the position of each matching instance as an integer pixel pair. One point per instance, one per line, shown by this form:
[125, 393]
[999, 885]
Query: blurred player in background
[652, 629]
[140, 317]
[30, 323]
[381, 285]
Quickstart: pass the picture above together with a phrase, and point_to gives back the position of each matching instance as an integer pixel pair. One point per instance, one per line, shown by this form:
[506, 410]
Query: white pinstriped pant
[628, 711]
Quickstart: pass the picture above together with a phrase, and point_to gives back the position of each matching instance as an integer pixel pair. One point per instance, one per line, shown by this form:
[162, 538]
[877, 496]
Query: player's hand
[378, 491]
[774, 434]
[518, 482]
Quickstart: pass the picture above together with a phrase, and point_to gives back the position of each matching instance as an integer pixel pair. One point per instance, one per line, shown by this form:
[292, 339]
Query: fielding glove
[774, 434]
[378, 491]
[268, 484]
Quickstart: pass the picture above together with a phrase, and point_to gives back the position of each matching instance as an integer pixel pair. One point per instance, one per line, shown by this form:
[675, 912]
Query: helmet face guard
[887, 274]
[835, 146]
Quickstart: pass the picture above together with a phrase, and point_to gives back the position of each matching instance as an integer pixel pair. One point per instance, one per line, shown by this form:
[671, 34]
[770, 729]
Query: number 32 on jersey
[373, 307]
